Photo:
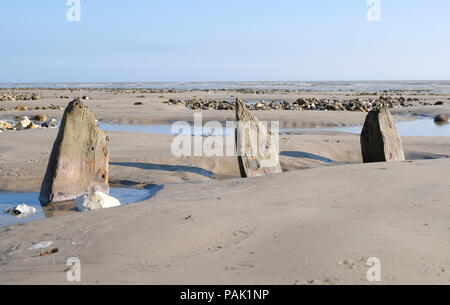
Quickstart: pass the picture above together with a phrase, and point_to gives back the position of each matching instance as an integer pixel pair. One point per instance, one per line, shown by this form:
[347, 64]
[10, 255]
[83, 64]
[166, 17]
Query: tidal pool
[163, 129]
[9, 200]
[416, 128]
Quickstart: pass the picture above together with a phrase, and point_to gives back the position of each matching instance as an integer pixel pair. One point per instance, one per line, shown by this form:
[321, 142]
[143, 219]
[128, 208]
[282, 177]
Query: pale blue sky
[209, 40]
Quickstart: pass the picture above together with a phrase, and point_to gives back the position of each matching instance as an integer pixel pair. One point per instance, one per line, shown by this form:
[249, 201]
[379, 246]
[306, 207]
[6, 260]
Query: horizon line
[229, 81]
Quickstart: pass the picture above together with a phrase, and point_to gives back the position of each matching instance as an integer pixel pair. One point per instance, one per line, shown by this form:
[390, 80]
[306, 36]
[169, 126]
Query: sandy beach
[316, 223]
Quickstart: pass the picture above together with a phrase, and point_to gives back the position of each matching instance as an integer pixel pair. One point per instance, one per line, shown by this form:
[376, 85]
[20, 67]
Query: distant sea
[360, 86]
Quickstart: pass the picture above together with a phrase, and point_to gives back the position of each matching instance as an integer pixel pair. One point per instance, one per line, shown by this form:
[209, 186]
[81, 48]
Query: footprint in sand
[352, 264]
[317, 282]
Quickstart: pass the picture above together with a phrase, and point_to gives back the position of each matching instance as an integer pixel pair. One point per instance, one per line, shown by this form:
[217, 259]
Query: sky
[212, 40]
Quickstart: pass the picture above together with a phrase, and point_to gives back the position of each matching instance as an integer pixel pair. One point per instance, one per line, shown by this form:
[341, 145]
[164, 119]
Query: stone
[21, 211]
[257, 148]
[79, 162]
[95, 201]
[23, 123]
[5, 125]
[32, 126]
[35, 97]
[40, 117]
[380, 141]
[21, 108]
[51, 124]
[441, 119]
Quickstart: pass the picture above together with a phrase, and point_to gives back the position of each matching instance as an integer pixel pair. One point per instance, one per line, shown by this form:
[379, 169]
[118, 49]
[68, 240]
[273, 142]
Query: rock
[21, 108]
[21, 211]
[35, 97]
[257, 155]
[32, 126]
[95, 201]
[5, 125]
[441, 119]
[22, 123]
[50, 124]
[380, 141]
[79, 162]
[40, 117]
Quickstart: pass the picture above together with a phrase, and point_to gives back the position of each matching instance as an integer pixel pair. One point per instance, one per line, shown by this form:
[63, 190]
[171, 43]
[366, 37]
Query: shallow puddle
[164, 129]
[9, 200]
[416, 128]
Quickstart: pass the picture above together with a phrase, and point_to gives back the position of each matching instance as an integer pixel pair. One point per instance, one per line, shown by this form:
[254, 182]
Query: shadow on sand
[167, 168]
[417, 155]
[305, 155]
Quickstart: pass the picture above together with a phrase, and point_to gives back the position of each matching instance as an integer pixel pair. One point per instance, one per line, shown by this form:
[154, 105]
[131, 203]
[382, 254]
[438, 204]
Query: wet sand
[318, 221]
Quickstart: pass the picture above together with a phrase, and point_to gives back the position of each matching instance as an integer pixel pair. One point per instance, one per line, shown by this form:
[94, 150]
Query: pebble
[21, 108]
[35, 97]
[40, 117]
[5, 125]
[442, 118]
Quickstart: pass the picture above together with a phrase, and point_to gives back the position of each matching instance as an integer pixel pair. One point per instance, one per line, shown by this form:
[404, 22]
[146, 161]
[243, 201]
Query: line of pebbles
[305, 104]
[19, 97]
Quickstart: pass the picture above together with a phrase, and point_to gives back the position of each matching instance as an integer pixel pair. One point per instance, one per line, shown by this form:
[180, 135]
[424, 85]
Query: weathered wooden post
[380, 141]
[257, 148]
[79, 159]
